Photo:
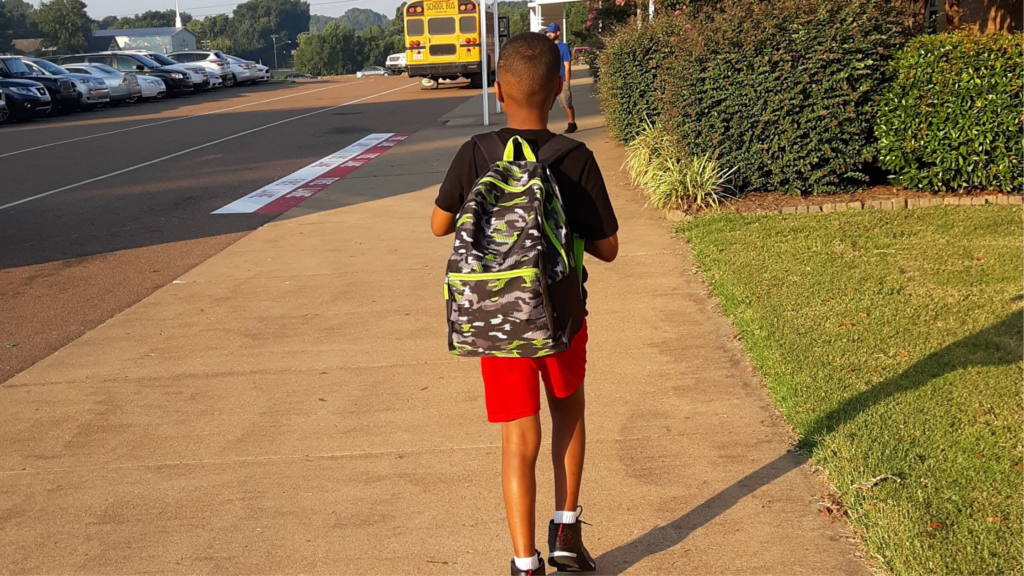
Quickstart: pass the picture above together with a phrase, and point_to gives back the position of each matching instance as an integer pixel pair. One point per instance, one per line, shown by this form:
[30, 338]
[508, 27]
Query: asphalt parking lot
[99, 210]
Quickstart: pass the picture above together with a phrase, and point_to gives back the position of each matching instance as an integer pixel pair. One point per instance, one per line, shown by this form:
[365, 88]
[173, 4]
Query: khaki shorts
[565, 97]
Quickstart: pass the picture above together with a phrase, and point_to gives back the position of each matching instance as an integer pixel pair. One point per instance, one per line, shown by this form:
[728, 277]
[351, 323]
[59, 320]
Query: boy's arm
[605, 250]
[442, 223]
[457, 183]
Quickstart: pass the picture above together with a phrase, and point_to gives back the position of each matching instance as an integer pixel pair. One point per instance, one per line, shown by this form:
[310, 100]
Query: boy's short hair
[528, 69]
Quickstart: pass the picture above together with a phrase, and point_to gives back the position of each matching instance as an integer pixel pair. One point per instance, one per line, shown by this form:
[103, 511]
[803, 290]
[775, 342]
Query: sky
[199, 8]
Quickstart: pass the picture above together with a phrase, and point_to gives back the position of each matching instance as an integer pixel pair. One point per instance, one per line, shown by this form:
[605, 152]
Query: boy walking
[527, 85]
[554, 31]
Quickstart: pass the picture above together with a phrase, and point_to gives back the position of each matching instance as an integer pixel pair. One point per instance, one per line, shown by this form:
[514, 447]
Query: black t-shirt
[584, 196]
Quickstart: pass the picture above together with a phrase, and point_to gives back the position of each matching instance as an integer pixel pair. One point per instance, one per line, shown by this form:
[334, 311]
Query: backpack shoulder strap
[556, 149]
[492, 146]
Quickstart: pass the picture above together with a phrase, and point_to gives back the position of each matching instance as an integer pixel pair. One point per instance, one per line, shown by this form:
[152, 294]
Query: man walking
[565, 97]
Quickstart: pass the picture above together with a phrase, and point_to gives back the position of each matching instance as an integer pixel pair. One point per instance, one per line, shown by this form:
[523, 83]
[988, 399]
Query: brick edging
[896, 204]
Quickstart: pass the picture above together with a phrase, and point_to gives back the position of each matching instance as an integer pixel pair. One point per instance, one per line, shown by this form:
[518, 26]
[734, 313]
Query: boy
[527, 85]
[565, 71]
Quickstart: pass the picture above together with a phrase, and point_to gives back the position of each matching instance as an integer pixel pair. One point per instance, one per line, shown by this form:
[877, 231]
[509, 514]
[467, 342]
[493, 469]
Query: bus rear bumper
[443, 70]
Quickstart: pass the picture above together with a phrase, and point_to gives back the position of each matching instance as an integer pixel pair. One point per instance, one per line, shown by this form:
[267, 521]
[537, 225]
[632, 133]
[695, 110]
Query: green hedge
[628, 65]
[785, 91]
[952, 118]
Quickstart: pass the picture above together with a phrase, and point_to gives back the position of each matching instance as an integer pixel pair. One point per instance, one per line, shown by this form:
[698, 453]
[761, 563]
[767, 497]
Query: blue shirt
[566, 54]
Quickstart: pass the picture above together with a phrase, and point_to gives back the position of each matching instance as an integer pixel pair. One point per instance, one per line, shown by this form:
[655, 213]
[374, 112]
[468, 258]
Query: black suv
[63, 95]
[176, 82]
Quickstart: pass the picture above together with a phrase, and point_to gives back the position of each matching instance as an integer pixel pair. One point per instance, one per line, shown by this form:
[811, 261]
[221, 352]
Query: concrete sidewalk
[290, 407]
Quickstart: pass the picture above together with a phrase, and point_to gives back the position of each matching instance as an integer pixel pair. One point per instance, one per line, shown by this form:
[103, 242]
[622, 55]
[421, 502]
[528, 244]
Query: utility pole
[274, 38]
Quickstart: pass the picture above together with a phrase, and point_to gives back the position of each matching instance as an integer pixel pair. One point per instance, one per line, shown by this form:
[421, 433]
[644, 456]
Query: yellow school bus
[442, 40]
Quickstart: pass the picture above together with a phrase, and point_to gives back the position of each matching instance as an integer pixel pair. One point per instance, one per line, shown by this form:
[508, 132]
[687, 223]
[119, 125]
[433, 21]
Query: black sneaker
[566, 552]
[534, 572]
[572, 128]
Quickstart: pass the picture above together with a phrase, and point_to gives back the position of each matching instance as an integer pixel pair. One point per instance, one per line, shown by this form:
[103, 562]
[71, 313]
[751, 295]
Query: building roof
[27, 45]
[141, 32]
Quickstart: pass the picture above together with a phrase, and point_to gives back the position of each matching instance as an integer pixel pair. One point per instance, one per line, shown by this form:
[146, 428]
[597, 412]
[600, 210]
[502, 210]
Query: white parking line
[200, 147]
[171, 120]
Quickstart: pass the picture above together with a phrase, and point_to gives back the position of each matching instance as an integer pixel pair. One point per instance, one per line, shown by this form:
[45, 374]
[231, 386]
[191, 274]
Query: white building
[153, 39]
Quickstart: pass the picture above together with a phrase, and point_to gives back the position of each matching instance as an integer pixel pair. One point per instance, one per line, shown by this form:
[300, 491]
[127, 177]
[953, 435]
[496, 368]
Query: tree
[6, 29]
[148, 19]
[338, 50]
[360, 19]
[21, 13]
[318, 22]
[254, 21]
[64, 24]
[213, 32]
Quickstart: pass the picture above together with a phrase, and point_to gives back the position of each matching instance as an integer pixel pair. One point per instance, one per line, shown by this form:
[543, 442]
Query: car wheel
[230, 81]
[130, 100]
[5, 115]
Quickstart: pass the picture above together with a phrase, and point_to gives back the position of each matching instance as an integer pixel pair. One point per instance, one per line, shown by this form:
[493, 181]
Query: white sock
[531, 563]
[562, 517]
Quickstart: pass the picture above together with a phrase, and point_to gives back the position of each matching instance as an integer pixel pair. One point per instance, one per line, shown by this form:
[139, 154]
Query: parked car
[91, 91]
[579, 54]
[63, 95]
[215, 81]
[262, 73]
[152, 87]
[396, 63]
[244, 70]
[200, 80]
[24, 98]
[213, 60]
[372, 71]
[177, 82]
[123, 86]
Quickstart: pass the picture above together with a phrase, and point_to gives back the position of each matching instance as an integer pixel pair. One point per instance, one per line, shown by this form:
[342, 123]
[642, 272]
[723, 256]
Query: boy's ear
[561, 84]
[498, 93]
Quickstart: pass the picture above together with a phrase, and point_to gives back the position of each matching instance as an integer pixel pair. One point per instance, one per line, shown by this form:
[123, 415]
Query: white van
[396, 63]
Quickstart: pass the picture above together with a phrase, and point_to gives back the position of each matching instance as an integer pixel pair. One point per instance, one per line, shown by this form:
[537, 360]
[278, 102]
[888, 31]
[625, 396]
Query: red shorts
[512, 385]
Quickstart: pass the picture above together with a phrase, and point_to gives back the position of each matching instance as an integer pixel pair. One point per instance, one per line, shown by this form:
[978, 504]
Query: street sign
[503, 32]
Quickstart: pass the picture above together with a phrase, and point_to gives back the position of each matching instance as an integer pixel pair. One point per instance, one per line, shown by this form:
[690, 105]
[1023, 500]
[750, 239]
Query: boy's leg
[520, 445]
[568, 446]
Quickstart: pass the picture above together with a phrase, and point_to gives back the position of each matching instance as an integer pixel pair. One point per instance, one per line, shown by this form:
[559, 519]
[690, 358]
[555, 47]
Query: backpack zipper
[495, 275]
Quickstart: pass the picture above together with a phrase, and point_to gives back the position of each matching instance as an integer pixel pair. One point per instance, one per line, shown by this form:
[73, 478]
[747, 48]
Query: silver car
[213, 60]
[91, 91]
[123, 86]
[372, 71]
[245, 71]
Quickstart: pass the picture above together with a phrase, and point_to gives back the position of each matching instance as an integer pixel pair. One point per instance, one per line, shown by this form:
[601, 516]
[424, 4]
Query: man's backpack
[513, 286]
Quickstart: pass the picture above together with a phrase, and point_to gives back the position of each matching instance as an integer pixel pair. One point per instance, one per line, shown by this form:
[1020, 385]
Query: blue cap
[553, 27]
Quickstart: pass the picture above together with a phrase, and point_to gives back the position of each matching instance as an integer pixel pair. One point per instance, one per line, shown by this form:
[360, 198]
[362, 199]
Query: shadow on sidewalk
[997, 345]
[664, 537]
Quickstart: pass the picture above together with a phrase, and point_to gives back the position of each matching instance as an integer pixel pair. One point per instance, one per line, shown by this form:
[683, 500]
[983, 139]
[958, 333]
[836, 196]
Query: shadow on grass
[997, 345]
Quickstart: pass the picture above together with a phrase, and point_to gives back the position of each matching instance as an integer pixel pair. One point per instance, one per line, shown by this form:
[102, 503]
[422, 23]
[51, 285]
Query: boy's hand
[442, 223]
[605, 250]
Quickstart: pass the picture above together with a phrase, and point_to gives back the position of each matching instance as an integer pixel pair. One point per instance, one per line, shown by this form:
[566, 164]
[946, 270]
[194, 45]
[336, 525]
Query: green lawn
[892, 342]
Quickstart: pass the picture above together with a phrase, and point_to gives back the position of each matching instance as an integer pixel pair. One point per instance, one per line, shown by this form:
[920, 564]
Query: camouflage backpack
[513, 285]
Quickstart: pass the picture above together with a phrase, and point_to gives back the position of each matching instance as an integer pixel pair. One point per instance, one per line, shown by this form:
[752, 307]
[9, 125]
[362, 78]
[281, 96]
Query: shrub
[787, 90]
[952, 117]
[671, 177]
[628, 66]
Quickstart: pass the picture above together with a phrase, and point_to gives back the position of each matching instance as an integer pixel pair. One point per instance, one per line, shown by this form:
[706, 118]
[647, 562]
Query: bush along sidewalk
[892, 342]
[953, 115]
[784, 92]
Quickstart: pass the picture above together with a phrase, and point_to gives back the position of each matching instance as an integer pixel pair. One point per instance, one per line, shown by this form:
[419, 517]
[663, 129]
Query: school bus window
[414, 27]
[467, 25]
[441, 26]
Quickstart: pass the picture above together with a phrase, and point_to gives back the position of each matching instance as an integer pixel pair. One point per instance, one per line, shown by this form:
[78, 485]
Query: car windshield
[16, 67]
[105, 68]
[49, 66]
[146, 61]
[162, 59]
